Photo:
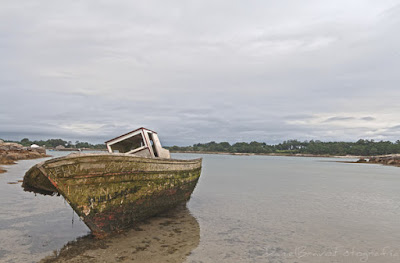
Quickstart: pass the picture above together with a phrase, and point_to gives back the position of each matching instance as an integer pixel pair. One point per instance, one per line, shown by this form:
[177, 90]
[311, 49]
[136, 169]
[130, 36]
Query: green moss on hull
[125, 215]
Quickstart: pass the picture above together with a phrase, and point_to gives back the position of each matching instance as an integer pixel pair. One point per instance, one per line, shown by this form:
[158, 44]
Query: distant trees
[361, 147]
[48, 143]
[82, 144]
[26, 142]
[52, 143]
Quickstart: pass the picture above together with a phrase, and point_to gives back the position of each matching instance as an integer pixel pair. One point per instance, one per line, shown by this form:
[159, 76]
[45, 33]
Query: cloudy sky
[197, 71]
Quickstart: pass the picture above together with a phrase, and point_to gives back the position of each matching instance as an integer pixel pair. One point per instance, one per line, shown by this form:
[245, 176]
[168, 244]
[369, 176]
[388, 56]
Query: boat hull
[111, 192]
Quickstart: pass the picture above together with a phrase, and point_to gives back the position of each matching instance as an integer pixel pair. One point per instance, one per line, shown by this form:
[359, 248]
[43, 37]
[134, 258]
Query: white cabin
[141, 142]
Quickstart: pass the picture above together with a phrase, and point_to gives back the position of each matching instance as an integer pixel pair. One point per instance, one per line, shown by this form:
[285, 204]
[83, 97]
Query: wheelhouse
[141, 142]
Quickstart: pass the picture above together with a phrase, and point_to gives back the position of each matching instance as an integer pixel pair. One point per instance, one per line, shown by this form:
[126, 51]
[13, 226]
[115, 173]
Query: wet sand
[169, 237]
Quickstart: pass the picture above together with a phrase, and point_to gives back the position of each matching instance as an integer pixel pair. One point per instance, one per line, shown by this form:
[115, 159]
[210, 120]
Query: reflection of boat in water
[111, 191]
[169, 237]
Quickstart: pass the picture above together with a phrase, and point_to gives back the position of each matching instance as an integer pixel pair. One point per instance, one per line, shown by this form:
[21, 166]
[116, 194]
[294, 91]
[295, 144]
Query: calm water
[244, 209]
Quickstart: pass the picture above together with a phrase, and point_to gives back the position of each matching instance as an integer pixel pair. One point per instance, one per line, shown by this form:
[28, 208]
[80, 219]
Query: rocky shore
[384, 159]
[11, 152]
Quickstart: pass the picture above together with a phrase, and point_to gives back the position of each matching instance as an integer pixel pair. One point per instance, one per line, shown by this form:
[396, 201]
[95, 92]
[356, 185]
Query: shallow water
[32, 225]
[244, 209]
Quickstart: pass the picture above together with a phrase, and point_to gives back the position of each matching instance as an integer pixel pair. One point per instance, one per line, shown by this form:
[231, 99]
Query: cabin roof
[131, 132]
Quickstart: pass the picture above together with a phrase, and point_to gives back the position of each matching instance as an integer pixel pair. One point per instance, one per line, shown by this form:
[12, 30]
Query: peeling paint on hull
[111, 192]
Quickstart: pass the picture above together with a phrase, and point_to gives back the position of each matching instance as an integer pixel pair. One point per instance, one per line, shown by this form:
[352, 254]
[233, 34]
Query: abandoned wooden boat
[111, 191]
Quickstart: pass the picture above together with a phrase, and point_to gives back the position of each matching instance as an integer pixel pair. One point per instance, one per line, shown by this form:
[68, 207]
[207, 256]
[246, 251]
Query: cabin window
[129, 144]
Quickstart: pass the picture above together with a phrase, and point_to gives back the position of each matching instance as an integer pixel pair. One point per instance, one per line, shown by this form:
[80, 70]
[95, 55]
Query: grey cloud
[394, 128]
[339, 118]
[391, 132]
[368, 118]
[299, 117]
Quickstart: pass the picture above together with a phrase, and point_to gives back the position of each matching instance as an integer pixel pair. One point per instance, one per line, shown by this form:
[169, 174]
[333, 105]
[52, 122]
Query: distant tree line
[52, 143]
[361, 147]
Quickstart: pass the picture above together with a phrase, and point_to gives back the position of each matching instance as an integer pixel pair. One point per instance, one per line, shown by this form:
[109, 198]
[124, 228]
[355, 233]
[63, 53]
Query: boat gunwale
[136, 158]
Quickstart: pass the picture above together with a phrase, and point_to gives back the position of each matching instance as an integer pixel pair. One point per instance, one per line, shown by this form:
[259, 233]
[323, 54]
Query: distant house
[60, 147]
[35, 146]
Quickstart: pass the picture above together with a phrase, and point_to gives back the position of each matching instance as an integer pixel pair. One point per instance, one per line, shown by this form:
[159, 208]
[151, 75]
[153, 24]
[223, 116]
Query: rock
[15, 156]
[387, 160]
[11, 152]
[6, 160]
[10, 146]
[40, 150]
[1, 141]
[34, 154]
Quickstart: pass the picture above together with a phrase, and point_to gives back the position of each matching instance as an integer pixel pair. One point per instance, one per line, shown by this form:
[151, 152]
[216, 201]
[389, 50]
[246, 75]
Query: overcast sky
[197, 71]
